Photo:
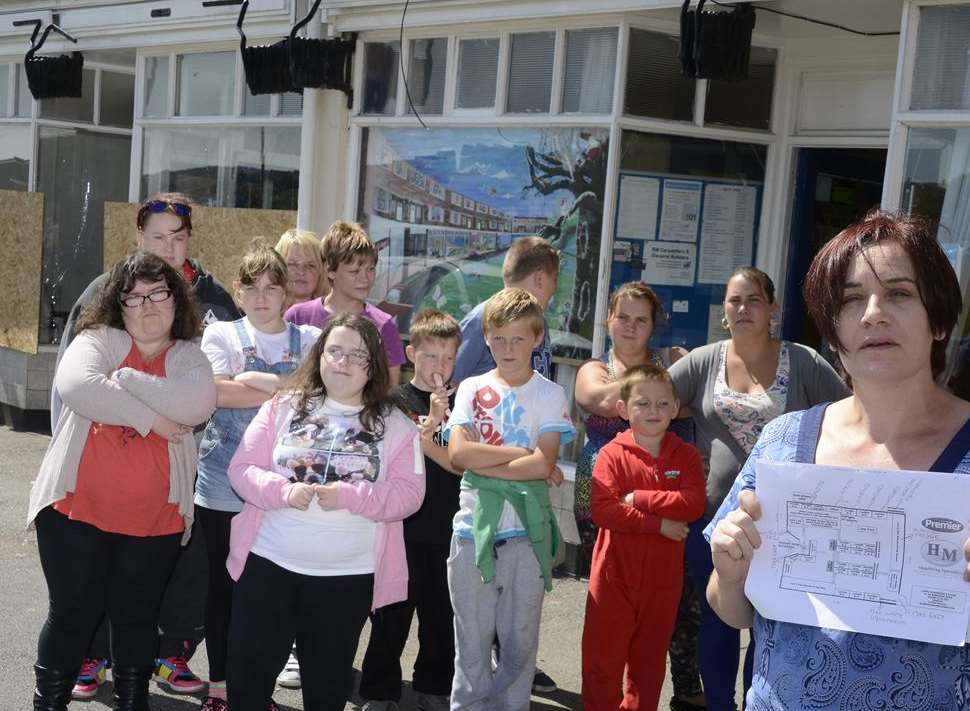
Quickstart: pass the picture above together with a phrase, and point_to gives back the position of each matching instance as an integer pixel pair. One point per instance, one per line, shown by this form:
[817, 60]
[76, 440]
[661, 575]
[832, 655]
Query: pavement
[24, 596]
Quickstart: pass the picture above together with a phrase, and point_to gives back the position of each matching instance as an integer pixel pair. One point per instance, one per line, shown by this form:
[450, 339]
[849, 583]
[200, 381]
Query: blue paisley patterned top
[802, 667]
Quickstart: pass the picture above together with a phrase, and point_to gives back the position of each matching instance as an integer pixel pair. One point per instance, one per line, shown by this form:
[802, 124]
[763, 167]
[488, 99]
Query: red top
[669, 486]
[123, 478]
[189, 272]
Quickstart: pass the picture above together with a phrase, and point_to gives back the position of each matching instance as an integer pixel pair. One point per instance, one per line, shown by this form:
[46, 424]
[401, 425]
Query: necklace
[611, 362]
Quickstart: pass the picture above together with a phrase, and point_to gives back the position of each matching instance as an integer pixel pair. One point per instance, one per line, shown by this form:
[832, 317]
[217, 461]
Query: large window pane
[117, 99]
[941, 77]
[70, 108]
[689, 212]
[381, 68]
[744, 103]
[590, 67]
[77, 170]
[14, 156]
[655, 86]
[4, 88]
[530, 72]
[206, 84]
[253, 166]
[446, 205]
[477, 69]
[25, 99]
[156, 86]
[937, 185]
[426, 74]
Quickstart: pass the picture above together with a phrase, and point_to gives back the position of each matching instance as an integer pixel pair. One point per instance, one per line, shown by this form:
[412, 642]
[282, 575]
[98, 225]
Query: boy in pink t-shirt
[350, 265]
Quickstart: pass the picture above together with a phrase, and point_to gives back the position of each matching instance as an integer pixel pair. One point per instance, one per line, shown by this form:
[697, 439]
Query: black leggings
[90, 572]
[215, 527]
[434, 668]
[271, 607]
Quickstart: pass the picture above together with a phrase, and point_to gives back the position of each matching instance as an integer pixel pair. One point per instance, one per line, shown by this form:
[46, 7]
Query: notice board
[684, 236]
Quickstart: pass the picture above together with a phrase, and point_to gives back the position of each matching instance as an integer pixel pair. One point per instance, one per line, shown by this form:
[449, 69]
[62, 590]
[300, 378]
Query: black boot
[53, 690]
[131, 687]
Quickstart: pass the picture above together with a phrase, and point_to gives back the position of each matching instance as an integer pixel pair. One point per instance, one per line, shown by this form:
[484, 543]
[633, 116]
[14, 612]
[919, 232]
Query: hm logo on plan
[940, 553]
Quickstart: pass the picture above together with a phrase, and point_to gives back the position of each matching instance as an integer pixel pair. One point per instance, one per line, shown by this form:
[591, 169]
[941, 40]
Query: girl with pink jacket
[328, 472]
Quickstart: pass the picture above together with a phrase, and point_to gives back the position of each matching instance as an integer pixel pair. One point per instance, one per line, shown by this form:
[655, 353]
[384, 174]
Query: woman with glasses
[300, 250]
[164, 228]
[113, 498]
[328, 471]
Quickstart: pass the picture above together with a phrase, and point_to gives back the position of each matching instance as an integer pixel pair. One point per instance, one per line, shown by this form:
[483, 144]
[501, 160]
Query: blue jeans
[718, 644]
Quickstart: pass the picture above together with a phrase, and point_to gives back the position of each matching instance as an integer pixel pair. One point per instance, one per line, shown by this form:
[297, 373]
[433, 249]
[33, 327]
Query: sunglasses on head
[176, 208]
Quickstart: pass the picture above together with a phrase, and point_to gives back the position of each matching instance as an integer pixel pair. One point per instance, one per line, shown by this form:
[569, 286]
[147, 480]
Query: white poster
[877, 552]
[727, 231]
[669, 264]
[639, 202]
[681, 210]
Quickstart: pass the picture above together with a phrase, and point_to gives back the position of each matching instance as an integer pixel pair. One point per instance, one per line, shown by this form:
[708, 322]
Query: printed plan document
[879, 552]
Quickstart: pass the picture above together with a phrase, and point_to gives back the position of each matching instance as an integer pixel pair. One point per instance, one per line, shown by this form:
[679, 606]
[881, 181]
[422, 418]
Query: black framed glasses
[133, 301]
[176, 208]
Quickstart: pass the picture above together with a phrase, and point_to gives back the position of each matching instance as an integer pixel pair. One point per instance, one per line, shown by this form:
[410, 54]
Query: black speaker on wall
[52, 77]
[716, 45]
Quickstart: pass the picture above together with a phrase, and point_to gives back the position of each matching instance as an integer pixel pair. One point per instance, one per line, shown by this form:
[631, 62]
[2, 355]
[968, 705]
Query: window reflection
[937, 185]
[78, 171]
[14, 157]
[255, 167]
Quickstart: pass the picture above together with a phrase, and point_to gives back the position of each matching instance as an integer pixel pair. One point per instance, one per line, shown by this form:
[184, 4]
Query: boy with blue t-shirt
[531, 264]
[504, 433]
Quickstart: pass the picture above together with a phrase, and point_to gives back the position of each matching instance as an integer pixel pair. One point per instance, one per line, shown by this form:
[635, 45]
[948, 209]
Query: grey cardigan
[94, 390]
[812, 381]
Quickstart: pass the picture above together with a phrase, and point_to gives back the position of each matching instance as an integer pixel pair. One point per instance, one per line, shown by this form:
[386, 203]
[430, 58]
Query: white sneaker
[289, 678]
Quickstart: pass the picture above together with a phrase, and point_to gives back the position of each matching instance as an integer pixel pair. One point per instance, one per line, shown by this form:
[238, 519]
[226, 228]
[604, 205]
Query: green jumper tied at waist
[530, 500]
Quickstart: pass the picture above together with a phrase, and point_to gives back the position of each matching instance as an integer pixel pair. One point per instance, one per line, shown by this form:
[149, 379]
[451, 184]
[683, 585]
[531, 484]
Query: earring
[724, 323]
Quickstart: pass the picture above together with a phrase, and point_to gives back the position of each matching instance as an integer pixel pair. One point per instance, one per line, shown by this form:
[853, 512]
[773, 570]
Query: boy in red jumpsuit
[647, 485]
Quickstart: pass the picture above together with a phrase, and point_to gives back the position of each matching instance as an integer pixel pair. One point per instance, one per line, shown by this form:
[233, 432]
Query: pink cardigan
[389, 501]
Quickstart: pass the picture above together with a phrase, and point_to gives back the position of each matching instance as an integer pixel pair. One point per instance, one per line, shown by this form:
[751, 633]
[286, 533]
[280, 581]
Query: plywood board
[220, 235]
[21, 243]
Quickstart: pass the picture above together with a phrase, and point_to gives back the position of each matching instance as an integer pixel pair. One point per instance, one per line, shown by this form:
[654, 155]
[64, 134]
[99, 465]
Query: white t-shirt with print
[507, 416]
[221, 345]
[327, 445]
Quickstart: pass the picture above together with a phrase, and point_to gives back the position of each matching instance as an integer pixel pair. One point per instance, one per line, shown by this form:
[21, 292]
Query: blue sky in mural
[485, 164]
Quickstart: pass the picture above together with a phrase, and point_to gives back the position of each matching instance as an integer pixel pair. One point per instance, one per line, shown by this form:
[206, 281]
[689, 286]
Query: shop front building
[472, 124]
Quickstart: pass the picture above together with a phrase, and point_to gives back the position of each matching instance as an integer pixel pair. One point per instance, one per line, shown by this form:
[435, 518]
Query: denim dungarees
[225, 430]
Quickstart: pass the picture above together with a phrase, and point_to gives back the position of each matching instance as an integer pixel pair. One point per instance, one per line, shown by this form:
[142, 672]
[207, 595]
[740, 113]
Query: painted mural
[444, 205]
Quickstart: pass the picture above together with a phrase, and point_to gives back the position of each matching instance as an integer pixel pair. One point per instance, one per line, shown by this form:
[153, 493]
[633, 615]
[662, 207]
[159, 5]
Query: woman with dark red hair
[884, 295]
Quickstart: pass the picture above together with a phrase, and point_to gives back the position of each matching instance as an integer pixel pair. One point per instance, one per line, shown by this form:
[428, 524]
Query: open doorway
[833, 187]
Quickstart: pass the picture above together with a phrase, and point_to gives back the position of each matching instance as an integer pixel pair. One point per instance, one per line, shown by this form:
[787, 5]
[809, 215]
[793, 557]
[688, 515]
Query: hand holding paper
[879, 552]
[735, 540]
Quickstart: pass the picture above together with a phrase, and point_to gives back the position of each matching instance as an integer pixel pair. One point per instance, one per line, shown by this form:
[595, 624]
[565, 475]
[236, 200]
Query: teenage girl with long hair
[328, 470]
